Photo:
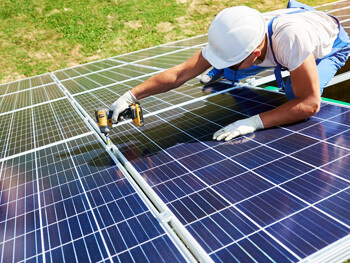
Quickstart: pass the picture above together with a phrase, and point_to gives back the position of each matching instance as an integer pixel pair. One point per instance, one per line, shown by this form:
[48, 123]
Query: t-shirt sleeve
[293, 45]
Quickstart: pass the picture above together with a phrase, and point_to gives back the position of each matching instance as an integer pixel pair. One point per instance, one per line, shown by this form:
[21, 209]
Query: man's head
[233, 35]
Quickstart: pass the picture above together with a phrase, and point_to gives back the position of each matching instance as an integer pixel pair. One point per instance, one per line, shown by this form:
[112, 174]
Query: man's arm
[162, 82]
[173, 77]
[306, 88]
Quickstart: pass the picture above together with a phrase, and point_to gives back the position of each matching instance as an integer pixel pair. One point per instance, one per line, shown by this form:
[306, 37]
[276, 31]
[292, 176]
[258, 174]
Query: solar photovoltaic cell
[3, 88]
[105, 77]
[8, 103]
[23, 99]
[85, 69]
[6, 121]
[27, 98]
[169, 60]
[21, 134]
[57, 121]
[38, 95]
[190, 42]
[20, 216]
[145, 54]
[25, 84]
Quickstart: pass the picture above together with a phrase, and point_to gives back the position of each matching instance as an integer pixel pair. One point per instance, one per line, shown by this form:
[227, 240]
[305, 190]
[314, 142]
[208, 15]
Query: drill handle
[134, 112]
[126, 114]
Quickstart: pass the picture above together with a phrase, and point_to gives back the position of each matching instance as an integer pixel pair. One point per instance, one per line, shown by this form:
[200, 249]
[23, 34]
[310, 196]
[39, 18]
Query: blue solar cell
[321, 154]
[325, 130]
[270, 206]
[184, 149]
[328, 111]
[219, 171]
[68, 252]
[221, 228]
[197, 205]
[283, 170]
[200, 159]
[235, 147]
[241, 187]
[258, 248]
[308, 231]
[342, 139]
[315, 186]
[338, 206]
[164, 172]
[178, 187]
[303, 124]
[292, 143]
[343, 118]
[257, 157]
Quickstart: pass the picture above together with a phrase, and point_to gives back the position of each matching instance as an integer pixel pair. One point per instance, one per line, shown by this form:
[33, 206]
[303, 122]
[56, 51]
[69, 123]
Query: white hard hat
[233, 35]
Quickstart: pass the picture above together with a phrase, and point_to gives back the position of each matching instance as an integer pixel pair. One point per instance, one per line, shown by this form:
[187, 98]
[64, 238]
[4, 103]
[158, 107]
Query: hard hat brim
[214, 60]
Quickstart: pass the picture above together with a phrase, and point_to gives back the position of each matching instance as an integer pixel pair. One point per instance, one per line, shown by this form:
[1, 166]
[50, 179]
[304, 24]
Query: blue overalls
[326, 66]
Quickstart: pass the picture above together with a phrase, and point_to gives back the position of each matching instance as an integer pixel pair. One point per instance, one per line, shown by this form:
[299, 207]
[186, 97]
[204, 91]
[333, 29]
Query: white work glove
[238, 128]
[122, 104]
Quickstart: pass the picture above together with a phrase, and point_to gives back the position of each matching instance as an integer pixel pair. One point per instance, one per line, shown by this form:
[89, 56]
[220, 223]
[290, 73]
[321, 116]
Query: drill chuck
[103, 123]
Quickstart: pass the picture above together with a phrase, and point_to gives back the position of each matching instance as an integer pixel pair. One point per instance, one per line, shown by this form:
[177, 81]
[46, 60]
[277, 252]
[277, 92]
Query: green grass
[40, 36]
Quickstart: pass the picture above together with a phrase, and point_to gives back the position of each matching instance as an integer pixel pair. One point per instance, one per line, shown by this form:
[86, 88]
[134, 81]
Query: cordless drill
[105, 123]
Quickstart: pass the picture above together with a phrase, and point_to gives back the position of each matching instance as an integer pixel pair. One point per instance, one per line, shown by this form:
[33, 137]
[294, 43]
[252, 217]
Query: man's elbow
[312, 106]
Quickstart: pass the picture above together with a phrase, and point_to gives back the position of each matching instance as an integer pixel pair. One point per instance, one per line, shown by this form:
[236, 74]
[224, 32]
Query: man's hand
[239, 128]
[122, 104]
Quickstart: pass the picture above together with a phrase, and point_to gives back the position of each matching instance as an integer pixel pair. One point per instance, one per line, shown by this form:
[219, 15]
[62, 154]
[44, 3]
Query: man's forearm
[159, 83]
[173, 77]
[292, 111]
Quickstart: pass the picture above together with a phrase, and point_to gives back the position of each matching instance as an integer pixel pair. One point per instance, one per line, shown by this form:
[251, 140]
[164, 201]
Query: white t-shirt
[296, 36]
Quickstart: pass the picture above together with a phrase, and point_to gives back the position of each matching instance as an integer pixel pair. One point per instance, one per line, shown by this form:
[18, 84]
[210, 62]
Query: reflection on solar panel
[166, 192]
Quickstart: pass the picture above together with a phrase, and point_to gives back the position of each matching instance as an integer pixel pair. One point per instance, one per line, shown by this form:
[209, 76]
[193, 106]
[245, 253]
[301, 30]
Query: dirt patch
[185, 25]
[40, 55]
[164, 27]
[75, 50]
[54, 11]
[94, 57]
[182, 1]
[12, 77]
[135, 24]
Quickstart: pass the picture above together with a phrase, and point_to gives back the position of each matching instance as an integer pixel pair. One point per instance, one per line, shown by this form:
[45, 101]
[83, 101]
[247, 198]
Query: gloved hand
[122, 104]
[238, 128]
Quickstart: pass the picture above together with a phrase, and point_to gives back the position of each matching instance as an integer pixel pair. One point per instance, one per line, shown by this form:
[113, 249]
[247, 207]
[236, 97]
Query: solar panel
[167, 192]
[200, 179]
[71, 202]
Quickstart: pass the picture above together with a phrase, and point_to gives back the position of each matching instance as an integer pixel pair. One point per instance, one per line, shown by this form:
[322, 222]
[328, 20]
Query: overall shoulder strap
[279, 68]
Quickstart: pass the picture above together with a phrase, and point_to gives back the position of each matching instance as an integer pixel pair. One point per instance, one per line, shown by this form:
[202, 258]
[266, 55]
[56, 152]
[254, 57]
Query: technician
[242, 42]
